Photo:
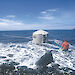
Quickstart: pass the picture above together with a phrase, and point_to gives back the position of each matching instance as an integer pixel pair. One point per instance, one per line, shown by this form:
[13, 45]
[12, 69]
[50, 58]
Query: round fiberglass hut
[40, 37]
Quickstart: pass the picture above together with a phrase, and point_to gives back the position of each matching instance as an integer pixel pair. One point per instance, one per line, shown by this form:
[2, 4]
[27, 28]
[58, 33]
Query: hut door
[44, 38]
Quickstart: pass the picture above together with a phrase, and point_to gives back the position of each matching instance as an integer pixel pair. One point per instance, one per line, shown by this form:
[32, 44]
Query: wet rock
[5, 68]
[54, 71]
[55, 65]
[10, 55]
[45, 59]
[58, 72]
[43, 62]
[12, 46]
[14, 63]
[20, 47]
[24, 70]
[7, 60]
[3, 57]
[66, 69]
[73, 73]
[1, 73]
[21, 67]
[56, 48]
[41, 69]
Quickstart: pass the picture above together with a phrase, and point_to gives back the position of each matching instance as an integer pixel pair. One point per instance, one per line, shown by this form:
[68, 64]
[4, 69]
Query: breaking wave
[27, 54]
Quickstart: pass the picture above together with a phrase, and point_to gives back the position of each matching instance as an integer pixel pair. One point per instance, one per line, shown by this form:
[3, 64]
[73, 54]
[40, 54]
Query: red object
[65, 45]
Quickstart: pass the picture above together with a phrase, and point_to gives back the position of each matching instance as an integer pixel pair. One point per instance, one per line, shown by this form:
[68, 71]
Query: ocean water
[18, 51]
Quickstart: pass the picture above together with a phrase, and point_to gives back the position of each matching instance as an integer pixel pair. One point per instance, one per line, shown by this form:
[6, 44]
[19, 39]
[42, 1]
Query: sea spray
[27, 54]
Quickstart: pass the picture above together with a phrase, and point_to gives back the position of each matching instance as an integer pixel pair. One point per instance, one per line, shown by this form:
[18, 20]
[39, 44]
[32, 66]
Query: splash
[27, 54]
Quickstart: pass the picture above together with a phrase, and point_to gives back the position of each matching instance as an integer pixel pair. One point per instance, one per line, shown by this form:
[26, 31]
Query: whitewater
[27, 54]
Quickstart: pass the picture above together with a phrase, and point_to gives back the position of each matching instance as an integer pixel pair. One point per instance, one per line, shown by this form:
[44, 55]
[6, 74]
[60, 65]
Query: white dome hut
[40, 37]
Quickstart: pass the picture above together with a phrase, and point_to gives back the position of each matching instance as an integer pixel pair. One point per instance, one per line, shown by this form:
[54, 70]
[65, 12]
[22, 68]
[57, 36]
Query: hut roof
[40, 32]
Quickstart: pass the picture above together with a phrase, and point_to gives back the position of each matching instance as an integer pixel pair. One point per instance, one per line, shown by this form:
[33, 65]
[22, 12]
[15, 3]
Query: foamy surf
[27, 54]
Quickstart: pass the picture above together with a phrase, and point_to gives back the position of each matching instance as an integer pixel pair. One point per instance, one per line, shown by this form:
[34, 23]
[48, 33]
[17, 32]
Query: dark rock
[20, 47]
[10, 55]
[55, 65]
[7, 60]
[14, 63]
[54, 71]
[3, 57]
[45, 59]
[5, 68]
[73, 73]
[21, 67]
[24, 70]
[12, 46]
[41, 69]
[43, 62]
[56, 48]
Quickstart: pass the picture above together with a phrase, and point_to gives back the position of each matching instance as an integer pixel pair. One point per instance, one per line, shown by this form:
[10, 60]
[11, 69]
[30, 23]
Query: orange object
[65, 45]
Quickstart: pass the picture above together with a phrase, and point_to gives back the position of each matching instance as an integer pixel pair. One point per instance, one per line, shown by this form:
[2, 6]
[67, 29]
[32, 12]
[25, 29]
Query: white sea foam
[27, 54]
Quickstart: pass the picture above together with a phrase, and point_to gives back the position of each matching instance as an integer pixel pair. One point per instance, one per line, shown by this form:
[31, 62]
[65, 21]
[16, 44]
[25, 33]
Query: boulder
[45, 59]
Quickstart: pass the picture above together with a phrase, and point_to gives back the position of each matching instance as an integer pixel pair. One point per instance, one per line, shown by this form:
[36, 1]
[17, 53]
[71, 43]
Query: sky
[37, 14]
